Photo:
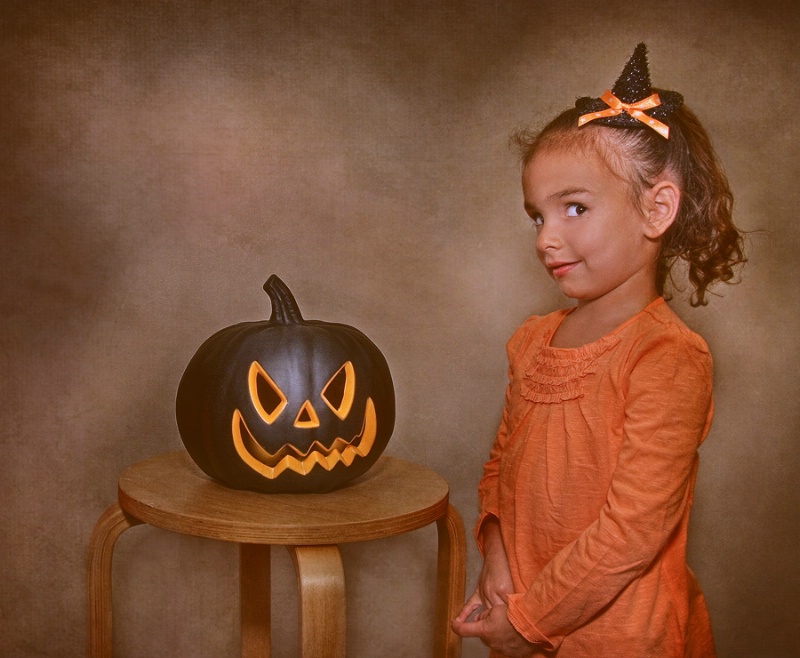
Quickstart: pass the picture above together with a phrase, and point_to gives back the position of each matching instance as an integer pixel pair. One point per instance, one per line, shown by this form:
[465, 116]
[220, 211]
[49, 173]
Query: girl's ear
[664, 198]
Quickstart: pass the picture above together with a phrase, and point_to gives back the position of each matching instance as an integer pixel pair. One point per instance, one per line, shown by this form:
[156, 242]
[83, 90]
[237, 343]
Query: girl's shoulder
[660, 323]
[536, 329]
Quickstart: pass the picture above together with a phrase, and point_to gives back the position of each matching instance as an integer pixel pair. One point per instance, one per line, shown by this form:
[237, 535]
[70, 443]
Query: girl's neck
[593, 319]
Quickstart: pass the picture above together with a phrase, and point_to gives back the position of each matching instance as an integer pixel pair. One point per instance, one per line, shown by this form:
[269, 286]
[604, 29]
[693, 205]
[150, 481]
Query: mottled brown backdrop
[159, 159]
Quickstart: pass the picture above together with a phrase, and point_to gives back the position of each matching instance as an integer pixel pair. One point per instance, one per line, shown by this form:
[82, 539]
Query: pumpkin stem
[284, 306]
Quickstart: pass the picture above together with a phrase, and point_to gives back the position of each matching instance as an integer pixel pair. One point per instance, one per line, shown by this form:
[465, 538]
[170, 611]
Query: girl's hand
[493, 629]
[494, 585]
[472, 607]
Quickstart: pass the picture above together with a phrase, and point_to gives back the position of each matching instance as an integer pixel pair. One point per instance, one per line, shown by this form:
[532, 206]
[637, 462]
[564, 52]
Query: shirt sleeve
[668, 410]
[488, 488]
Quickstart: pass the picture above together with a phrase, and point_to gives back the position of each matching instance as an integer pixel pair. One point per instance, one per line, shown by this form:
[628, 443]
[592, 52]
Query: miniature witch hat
[632, 103]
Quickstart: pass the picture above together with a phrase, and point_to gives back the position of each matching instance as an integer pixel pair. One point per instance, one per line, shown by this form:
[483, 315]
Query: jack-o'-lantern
[286, 405]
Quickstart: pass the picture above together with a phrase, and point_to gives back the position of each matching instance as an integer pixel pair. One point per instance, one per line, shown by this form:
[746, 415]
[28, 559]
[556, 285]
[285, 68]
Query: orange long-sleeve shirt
[592, 477]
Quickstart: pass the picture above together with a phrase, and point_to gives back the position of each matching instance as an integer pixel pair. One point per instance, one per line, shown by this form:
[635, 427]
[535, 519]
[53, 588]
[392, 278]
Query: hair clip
[632, 103]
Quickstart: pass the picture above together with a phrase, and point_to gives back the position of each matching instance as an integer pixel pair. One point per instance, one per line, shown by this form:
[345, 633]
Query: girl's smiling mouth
[559, 269]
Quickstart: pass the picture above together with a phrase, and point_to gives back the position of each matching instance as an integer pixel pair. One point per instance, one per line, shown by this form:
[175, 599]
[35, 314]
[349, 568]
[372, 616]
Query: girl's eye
[537, 219]
[575, 209]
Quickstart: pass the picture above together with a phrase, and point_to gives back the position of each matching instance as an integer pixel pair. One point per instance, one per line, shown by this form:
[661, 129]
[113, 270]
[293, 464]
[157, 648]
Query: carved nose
[307, 417]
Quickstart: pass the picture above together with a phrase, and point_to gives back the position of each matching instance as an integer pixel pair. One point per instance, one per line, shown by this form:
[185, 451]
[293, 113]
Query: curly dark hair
[703, 233]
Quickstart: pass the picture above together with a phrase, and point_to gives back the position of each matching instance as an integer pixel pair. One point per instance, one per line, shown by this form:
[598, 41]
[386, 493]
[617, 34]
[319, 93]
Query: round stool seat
[393, 497]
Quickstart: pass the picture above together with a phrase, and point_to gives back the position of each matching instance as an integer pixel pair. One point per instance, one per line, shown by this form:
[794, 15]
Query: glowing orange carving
[289, 457]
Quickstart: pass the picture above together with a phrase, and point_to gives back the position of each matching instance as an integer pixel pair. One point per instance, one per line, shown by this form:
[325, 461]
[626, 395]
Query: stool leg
[450, 582]
[254, 594]
[111, 524]
[320, 580]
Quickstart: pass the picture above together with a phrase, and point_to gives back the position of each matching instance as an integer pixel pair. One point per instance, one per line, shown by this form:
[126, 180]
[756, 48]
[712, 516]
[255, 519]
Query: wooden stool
[392, 498]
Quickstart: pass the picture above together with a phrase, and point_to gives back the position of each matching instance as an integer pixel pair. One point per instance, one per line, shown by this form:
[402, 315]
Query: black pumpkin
[286, 405]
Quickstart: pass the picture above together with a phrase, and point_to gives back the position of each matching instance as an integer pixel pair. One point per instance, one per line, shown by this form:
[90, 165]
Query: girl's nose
[547, 237]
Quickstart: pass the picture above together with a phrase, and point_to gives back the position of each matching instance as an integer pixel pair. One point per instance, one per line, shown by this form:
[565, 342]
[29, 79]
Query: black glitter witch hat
[632, 87]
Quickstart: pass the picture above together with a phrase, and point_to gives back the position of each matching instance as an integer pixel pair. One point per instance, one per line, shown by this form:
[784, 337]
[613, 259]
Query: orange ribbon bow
[636, 110]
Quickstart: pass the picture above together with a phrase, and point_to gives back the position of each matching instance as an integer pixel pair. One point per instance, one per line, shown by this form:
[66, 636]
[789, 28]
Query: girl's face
[591, 237]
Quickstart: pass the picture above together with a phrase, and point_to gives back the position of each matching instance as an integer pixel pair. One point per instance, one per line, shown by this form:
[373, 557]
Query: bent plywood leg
[254, 594]
[320, 580]
[450, 582]
[111, 524]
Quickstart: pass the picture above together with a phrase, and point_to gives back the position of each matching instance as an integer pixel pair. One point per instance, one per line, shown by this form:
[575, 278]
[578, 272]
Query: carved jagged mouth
[289, 457]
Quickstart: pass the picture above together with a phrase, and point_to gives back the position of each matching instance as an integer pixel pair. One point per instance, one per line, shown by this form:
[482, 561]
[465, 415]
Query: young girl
[586, 496]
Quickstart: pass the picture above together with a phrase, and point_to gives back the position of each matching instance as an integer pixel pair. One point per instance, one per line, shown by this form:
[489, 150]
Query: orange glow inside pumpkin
[269, 401]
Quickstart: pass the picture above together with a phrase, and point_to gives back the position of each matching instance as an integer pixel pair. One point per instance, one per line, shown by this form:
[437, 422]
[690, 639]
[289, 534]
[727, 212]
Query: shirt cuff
[526, 627]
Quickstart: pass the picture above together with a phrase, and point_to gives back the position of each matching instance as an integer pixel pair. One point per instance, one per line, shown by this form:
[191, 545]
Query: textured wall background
[158, 160]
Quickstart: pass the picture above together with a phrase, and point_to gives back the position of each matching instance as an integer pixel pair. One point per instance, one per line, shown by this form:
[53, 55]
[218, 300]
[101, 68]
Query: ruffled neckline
[557, 374]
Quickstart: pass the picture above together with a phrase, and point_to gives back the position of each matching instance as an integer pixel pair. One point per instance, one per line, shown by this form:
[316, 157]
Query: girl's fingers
[472, 604]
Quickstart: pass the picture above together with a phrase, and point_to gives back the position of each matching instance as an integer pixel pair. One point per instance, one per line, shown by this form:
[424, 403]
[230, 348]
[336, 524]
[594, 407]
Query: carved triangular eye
[340, 391]
[268, 398]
